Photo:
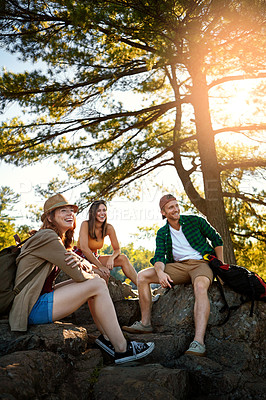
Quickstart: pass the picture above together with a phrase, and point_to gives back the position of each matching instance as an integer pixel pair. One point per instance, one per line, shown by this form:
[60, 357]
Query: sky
[126, 216]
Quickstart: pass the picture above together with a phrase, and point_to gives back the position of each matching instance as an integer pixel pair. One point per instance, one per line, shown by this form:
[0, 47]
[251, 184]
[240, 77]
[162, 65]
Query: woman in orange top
[91, 239]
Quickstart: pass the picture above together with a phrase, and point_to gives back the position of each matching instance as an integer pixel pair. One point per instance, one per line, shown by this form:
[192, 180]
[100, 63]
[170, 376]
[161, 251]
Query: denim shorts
[42, 311]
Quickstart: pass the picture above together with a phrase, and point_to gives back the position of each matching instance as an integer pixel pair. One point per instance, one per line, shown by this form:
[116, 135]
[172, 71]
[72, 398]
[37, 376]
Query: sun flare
[235, 104]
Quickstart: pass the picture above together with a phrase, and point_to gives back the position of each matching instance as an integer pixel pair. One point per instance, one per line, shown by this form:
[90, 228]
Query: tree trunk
[215, 210]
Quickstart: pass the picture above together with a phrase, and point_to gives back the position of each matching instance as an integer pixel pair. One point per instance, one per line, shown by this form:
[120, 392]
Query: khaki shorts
[186, 271]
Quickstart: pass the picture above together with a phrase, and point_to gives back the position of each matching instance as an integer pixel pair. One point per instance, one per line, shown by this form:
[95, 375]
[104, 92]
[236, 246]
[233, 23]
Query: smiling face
[64, 217]
[101, 213]
[171, 211]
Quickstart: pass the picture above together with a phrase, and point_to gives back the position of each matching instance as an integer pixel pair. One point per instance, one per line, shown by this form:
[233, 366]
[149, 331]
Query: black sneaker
[135, 350]
[105, 345]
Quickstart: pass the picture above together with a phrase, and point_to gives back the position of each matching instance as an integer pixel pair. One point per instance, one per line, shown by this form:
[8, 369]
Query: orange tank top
[95, 245]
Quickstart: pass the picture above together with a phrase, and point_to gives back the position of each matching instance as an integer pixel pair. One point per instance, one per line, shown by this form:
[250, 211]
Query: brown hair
[92, 219]
[67, 237]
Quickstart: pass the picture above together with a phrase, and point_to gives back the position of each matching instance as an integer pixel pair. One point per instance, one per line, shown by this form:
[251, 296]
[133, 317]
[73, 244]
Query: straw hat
[56, 201]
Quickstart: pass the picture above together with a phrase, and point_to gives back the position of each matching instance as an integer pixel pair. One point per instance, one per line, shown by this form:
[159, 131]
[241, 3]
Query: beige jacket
[44, 245]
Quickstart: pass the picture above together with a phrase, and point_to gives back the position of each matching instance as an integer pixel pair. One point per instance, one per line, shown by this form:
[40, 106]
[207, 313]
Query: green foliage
[147, 231]
[7, 230]
[7, 227]
[7, 200]
[252, 257]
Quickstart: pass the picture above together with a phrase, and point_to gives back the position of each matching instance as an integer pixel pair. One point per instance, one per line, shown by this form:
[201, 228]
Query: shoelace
[137, 347]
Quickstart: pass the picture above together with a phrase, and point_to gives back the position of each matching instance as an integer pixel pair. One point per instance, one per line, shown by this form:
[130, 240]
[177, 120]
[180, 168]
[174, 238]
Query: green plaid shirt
[198, 232]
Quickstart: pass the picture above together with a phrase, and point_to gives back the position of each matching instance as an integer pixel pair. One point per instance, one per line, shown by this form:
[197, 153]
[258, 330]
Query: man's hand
[219, 253]
[164, 279]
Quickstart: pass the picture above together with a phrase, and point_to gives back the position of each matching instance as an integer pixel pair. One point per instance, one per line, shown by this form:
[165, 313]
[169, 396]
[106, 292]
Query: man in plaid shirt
[180, 247]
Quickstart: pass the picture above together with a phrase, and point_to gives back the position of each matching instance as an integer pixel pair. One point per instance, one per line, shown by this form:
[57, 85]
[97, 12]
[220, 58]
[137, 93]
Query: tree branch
[256, 235]
[231, 78]
[245, 198]
[195, 198]
[242, 164]
[255, 127]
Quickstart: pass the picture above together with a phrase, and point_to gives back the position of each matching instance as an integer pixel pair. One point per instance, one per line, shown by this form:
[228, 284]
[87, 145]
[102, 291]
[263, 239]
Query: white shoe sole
[105, 348]
[136, 356]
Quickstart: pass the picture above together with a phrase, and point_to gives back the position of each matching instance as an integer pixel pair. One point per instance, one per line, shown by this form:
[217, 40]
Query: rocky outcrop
[61, 361]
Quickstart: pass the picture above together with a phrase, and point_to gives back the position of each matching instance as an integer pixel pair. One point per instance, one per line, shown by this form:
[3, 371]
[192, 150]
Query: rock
[84, 374]
[213, 380]
[58, 338]
[120, 291]
[61, 362]
[151, 381]
[31, 374]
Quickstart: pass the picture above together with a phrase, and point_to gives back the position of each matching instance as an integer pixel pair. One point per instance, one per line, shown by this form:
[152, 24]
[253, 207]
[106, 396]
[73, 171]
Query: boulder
[151, 381]
[58, 337]
[61, 362]
[31, 374]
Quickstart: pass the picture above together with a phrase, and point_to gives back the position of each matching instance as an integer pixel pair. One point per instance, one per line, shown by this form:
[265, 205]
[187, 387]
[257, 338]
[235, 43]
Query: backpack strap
[18, 240]
[251, 308]
[226, 306]
[28, 278]
[253, 294]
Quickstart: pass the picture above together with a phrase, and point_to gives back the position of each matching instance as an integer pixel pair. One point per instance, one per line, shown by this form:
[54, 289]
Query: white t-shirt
[181, 248]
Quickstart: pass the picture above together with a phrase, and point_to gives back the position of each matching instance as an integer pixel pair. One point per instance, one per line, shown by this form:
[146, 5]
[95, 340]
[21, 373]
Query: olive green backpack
[8, 269]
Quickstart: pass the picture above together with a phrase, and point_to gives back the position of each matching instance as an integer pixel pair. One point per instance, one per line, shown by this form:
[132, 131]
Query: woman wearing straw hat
[41, 302]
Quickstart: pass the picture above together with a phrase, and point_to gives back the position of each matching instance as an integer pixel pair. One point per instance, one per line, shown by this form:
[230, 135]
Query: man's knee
[146, 276]
[201, 285]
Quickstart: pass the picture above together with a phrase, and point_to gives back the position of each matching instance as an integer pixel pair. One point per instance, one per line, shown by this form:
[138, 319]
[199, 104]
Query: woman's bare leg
[94, 316]
[69, 298]
[123, 262]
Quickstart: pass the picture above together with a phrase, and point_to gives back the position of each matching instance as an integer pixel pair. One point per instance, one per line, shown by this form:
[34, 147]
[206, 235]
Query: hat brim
[59, 206]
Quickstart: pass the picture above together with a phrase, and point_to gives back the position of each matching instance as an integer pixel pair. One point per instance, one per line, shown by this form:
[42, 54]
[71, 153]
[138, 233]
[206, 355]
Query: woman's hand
[75, 260]
[110, 263]
[103, 272]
